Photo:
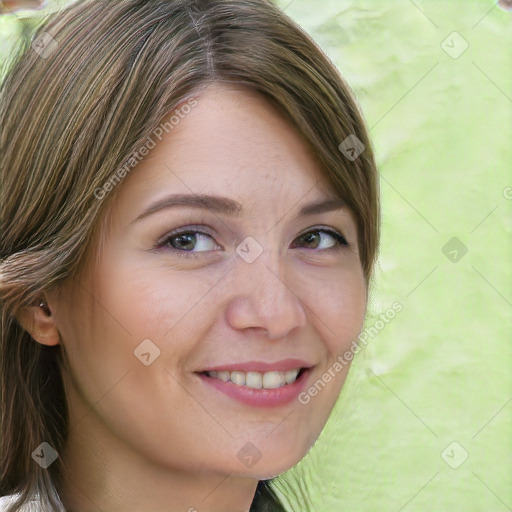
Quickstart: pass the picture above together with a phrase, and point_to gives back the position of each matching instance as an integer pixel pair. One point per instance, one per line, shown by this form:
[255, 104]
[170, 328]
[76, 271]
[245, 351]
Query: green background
[434, 386]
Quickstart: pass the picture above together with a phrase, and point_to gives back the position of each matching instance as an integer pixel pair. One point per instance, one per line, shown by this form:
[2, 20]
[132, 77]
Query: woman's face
[178, 290]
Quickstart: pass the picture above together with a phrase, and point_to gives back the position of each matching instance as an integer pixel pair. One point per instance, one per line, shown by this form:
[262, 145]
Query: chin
[274, 463]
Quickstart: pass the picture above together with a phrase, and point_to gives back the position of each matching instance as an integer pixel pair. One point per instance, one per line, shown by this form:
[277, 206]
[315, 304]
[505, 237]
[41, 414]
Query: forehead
[232, 142]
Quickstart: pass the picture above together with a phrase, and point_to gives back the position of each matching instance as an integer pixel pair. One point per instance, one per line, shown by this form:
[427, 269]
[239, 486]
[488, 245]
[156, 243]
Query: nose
[262, 298]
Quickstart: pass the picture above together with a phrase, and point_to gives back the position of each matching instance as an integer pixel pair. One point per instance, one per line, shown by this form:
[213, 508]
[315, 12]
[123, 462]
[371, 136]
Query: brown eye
[186, 242]
[314, 238]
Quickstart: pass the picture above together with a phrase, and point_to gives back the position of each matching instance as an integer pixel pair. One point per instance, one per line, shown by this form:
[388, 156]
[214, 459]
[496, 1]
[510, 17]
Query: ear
[38, 321]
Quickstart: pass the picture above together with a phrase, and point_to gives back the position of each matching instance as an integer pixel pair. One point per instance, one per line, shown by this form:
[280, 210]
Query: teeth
[291, 375]
[238, 378]
[273, 380]
[254, 380]
[225, 376]
[257, 380]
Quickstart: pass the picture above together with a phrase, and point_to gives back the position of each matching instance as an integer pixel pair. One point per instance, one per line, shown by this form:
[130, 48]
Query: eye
[185, 241]
[311, 238]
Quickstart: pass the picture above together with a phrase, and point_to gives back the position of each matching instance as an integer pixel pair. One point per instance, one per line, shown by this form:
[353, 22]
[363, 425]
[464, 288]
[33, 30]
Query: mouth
[258, 384]
[257, 380]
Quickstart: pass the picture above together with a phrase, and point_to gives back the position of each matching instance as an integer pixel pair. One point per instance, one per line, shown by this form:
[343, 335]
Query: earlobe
[38, 321]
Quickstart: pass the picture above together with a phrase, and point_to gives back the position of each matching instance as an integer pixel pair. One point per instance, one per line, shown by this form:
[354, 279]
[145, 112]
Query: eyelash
[341, 241]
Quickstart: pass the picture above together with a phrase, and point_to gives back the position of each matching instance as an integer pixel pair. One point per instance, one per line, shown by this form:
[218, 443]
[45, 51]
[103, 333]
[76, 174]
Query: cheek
[123, 302]
[348, 315]
[170, 314]
[338, 307]
[106, 317]
[151, 299]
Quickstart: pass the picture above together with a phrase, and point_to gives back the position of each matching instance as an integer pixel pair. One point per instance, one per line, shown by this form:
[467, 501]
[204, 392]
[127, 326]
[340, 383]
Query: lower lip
[260, 397]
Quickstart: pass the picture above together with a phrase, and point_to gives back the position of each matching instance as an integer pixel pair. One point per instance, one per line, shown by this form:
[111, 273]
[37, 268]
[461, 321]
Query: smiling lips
[257, 383]
[257, 380]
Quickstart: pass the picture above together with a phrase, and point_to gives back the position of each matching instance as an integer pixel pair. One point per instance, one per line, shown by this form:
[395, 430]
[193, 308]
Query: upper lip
[260, 366]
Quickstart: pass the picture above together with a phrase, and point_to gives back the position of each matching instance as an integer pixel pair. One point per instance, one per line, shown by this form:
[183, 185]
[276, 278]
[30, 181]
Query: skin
[156, 437]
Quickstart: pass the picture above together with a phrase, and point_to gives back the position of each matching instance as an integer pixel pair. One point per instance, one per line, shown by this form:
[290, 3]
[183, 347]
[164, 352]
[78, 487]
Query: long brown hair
[74, 110]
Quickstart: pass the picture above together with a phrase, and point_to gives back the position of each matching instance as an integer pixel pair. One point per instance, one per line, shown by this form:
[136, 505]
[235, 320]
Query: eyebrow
[226, 206]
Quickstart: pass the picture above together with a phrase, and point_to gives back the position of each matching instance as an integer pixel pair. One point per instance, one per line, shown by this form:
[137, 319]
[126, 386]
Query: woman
[190, 219]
